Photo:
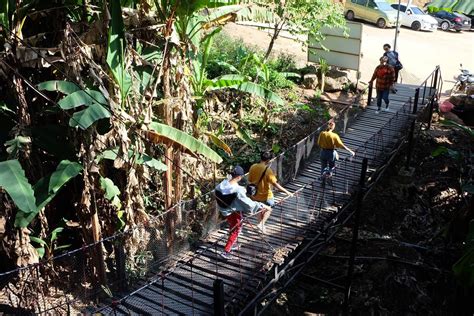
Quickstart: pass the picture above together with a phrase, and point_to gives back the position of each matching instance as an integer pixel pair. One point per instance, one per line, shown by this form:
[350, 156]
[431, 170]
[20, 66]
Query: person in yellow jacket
[328, 141]
[263, 177]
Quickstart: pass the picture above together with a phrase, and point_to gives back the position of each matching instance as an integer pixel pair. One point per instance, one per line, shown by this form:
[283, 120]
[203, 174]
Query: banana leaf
[219, 143]
[116, 49]
[65, 87]
[260, 91]
[47, 188]
[82, 97]
[88, 116]
[15, 183]
[163, 133]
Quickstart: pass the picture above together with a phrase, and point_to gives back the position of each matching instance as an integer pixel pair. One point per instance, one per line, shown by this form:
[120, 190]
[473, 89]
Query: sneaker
[225, 255]
[387, 109]
[394, 91]
[234, 247]
[377, 111]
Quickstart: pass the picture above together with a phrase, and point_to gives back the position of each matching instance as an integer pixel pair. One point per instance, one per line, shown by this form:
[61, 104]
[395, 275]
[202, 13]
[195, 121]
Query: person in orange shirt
[329, 141]
[263, 177]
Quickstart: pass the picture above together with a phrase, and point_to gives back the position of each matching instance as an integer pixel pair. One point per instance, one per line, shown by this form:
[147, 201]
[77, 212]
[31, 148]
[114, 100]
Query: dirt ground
[419, 52]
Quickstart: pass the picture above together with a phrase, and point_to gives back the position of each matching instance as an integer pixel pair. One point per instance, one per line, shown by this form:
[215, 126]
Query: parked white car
[415, 18]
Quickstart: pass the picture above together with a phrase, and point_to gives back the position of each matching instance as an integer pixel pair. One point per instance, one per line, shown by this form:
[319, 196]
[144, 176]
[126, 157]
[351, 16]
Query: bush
[283, 63]
[226, 49]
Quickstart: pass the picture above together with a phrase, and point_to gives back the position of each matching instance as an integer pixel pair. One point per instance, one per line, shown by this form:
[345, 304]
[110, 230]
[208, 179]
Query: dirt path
[419, 52]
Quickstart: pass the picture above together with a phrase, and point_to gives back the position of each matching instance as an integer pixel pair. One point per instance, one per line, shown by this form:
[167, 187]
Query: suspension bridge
[203, 283]
[197, 281]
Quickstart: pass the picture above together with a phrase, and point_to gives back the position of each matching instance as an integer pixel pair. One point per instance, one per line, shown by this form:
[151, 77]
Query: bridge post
[219, 297]
[369, 97]
[410, 144]
[435, 84]
[430, 117]
[415, 103]
[120, 262]
[355, 235]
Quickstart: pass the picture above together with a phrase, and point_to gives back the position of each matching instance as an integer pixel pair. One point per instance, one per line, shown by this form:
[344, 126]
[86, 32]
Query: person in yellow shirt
[329, 141]
[263, 177]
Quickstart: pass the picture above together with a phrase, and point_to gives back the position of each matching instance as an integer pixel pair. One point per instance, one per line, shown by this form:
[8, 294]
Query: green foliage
[94, 101]
[138, 158]
[464, 268]
[187, 141]
[465, 129]
[116, 49]
[31, 200]
[323, 66]
[260, 91]
[64, 87]
[47, 188]
[15, 183]
[49, 245]
[112, 192]
[283, 63]
[88, 116]
[441, 150]
[15, 145]
[226, 56]
[5, 12]
[243, 134]
[299, 17]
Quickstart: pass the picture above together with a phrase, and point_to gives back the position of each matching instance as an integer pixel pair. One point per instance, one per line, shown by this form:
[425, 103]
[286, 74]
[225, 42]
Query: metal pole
[355, 235]
[219, 297]
[410, 144]
[369, 97]
[415, 103]
[397, 28]
[431, 112]
[435, 84]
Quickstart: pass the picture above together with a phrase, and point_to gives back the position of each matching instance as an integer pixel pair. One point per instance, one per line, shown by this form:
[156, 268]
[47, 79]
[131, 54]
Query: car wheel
[350, 15]
[381, 23]
[445, 26]
[416, 26]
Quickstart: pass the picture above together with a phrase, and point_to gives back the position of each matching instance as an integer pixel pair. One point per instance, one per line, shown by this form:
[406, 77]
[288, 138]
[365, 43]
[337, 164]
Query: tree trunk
[276, 32]
[168, 119]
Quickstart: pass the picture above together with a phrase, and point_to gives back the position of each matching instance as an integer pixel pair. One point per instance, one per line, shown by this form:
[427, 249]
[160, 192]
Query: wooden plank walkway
[188, 289]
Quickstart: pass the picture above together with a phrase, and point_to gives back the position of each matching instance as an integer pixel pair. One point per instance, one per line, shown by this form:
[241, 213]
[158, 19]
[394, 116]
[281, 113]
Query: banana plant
[31, 199]
[116, 44]
[95, 102]
[49, 245]
[164, 134]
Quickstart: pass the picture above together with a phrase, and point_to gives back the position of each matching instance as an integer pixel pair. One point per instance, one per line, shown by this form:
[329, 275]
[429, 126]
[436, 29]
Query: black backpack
[224, 200]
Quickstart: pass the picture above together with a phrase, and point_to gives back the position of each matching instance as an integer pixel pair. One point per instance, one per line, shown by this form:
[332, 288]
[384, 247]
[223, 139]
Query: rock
[334, 73]
[335, 80]
[334, 84]
[310, 81]
[309, 69]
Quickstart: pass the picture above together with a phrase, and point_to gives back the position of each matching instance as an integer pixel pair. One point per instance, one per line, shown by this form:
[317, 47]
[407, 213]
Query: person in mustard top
[263, 177]
[329, 141]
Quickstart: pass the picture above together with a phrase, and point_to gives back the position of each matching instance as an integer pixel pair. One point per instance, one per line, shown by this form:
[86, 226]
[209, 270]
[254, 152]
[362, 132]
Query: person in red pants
[233, 202]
